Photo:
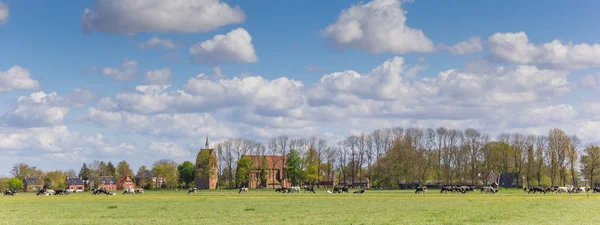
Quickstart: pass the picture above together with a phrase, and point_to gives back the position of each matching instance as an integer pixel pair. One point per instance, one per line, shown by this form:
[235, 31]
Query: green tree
[124, 170]
[22, 170]
[167, 169]
[187, 173]
[15, 184]
[4, 183]
[111, 170]
[311, 170]
[55, 179]
[294, 167]
[242, 175]
[591, 164]
[263, 172]
[84, 172]
[102, 171]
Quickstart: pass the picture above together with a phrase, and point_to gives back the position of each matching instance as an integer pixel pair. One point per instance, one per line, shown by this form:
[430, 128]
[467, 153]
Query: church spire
[206, 145]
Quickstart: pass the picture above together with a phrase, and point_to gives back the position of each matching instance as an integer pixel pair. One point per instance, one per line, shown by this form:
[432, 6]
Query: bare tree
[575, 142]
[541, 143]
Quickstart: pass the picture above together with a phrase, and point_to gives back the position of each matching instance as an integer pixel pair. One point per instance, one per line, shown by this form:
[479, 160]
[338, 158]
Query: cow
[360, 191]
[337, 190]
[345, 189]
[329, 191]
[139, 190]
[281, 189]
[9, 192]
[243, 189]
[446, 189]
[129, 191]
[192, 190]
[595, 189]
[294, 189]
[310, 188]
[563, 189]
[421, 189]
[61, 192]
[489, 190]
[536, 190]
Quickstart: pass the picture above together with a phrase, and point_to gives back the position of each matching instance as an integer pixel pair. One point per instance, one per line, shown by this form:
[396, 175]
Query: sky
[143, 80]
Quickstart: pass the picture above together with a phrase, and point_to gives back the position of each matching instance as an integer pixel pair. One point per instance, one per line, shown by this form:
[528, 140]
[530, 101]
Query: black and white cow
[192, 190]
[421, 189]
[361, 191]
[9, 192]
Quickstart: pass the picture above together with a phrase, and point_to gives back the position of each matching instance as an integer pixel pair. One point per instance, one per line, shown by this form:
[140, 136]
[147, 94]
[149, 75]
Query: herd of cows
[345, 189]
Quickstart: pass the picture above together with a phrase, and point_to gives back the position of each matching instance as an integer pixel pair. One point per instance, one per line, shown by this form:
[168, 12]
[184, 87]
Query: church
[207, 170]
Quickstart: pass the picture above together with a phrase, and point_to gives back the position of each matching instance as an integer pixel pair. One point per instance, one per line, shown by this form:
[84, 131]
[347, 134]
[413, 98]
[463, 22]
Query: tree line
[387, 157]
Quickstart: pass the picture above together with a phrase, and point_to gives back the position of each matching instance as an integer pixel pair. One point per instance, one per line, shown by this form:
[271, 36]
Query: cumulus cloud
[57, 140]
[17, 78]
[159, 77]
[40, 109]
[233, 47]
[162, 125]
[127, 70]
[4, 13]
[378, 26]
[182, 16]
[472, 45]
[516, 48]
[157, 42]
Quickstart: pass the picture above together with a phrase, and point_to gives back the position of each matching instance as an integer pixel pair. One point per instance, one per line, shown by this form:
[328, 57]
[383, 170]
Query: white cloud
[516, 48]
[159, 77]
[233, 47]
[472, 45]
[377, 27]
[170, 150]
[17, 78]
[57, 139]
[4, 13]
[126, 72]
[162, 125]
[40, 109]
[182, 16]
[157, 42]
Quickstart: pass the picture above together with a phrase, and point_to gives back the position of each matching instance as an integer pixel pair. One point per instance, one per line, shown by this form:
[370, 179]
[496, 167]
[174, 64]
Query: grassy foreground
[268, 207]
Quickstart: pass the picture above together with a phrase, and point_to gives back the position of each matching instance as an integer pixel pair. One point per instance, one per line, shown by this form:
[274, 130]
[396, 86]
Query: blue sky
[312, 82]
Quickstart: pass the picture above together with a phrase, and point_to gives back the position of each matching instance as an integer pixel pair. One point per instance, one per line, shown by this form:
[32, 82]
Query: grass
[268, 207]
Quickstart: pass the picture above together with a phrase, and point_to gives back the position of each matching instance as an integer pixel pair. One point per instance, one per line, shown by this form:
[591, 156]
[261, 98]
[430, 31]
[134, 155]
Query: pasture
[269, 207]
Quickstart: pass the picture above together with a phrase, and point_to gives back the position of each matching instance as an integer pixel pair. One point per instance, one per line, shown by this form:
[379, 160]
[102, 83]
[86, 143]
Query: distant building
[33, 183]
[275, 166]
[362, 182]
[108, 183]
[148, 177]
[207, 170]
[75, 184]
[125, 183]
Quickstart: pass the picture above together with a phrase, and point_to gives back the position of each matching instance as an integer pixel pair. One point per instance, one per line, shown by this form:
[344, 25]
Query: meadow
[269, 207]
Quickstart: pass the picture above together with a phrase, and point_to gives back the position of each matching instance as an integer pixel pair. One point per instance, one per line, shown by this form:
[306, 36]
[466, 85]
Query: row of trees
[387, 157]
[443, 156]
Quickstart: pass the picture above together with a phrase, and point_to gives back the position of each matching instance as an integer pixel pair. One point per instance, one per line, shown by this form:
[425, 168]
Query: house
[362, 182]
[274, 171]
[148, 178]
[125, 183]
[207, 168]
[33, 183]
[108, 183]
[75, 184]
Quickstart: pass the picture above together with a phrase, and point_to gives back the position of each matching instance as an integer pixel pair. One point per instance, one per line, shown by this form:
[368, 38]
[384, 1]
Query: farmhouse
[125, 183]
[75, 184]
[206, 168]
[33, 183]
[108, 183]
[148, 178]
[274, 171]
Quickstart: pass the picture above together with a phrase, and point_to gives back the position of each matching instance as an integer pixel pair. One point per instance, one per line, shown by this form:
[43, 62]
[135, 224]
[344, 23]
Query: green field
[269, 207]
